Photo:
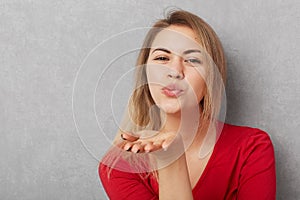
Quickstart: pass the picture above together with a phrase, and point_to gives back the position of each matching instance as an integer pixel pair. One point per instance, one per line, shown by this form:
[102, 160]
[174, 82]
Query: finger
[158, 143]
[129, 137]
[137, 148]
[127, 146]
[150, 147]
[166, 143]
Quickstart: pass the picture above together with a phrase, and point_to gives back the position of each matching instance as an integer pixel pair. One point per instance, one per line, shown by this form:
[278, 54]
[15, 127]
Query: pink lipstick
[172, 90]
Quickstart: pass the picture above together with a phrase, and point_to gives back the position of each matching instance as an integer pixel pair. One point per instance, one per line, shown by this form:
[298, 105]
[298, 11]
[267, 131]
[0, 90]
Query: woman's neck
[191, 128]
[172, 122]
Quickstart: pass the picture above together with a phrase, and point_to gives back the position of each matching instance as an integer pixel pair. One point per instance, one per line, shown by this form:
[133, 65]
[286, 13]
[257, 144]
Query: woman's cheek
[155, 73]
[197, 86]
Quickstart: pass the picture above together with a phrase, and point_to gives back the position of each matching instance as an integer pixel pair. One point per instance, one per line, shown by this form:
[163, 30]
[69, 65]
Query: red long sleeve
[258, 172]
[242, 166]
[123, 185]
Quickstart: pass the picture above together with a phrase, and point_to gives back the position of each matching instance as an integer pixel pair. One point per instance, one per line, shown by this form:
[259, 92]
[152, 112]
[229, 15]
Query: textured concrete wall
[43, 44]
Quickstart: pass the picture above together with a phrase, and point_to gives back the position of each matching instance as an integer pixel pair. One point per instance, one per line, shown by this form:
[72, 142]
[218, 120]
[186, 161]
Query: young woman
[175, 146]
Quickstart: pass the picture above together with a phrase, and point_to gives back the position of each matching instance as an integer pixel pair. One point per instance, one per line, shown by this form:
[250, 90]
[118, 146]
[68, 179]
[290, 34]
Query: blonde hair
[142, 107]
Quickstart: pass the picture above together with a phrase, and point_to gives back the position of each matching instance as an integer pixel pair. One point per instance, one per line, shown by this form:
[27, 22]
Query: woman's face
[176, 69]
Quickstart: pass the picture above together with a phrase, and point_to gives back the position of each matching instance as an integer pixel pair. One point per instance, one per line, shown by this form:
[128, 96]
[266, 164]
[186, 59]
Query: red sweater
[242, 166]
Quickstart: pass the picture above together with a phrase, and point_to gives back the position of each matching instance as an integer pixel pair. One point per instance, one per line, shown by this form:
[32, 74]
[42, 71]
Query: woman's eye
[193, 61]
[161, 58]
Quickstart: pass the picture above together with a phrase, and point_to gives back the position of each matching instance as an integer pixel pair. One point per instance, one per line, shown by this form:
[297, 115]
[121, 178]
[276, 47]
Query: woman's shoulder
[242, 132]
[244, 137]
[250, 153]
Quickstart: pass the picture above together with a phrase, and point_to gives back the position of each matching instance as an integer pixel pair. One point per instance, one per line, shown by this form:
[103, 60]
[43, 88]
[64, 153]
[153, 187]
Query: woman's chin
[170, 108]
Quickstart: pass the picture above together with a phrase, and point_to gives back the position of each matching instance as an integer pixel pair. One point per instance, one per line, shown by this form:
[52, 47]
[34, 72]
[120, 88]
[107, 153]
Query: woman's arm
[173, 175]
[123, 185]
[174, 182]
[258, 176]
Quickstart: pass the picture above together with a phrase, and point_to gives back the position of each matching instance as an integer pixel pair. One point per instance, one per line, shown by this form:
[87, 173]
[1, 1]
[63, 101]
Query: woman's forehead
[176, 39]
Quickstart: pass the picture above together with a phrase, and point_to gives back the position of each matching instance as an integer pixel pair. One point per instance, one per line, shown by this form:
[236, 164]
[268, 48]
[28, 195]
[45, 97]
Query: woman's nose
[176, 69]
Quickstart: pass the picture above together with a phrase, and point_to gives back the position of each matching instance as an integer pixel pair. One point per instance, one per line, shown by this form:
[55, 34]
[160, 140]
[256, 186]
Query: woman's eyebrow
[162, 49]
[191, 51]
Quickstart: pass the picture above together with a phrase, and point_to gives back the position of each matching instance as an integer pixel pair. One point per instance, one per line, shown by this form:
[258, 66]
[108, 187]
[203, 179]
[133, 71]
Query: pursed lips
[172, 90]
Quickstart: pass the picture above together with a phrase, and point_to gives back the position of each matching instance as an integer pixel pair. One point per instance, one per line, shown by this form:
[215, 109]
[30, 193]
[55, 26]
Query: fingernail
[129, 149]
[123, 137]
[165, 147]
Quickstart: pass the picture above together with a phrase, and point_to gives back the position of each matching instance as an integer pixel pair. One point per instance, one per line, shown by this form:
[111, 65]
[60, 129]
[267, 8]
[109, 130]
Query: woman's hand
[163, 147]
[142, 144]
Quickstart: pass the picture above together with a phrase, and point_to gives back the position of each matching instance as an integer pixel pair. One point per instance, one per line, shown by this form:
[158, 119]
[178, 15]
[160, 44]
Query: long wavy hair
[142, 107]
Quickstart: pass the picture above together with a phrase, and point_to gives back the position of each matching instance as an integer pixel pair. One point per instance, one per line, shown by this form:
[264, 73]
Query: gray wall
[44, 43]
